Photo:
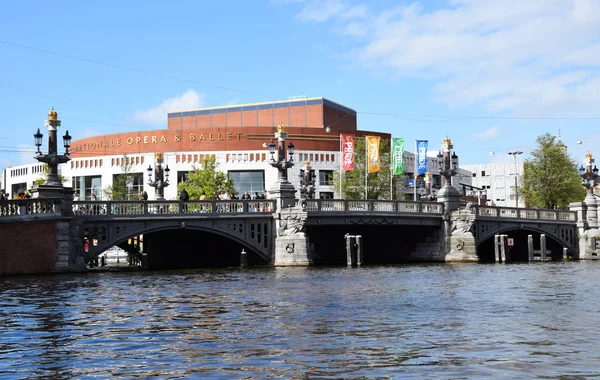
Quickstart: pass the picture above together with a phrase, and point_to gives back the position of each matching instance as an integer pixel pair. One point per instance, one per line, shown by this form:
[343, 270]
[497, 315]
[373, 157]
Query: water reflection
[413, 321]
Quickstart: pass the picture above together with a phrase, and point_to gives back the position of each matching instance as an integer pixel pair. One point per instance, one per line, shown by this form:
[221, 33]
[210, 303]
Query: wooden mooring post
[354, 251]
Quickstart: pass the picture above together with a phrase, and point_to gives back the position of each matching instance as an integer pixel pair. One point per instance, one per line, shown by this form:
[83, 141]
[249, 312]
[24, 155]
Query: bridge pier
[500, 248]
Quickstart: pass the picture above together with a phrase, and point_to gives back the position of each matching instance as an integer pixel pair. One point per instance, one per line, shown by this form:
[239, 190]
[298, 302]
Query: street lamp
[448, 163]
[515, 153]
[161, 177]
[280, 162]
[52, 159]
[307, 181]
[448, 167]
[589, 176]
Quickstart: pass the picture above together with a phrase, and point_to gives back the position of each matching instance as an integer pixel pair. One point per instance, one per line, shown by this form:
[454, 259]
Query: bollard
[243, 259]
[543, 247]
[530, 247]
[102, 261]
[565, 253]
[503, 248]
[359, 250]
[350, 249]
[496, 248]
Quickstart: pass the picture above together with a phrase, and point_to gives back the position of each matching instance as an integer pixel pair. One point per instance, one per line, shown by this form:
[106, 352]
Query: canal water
[454, 321]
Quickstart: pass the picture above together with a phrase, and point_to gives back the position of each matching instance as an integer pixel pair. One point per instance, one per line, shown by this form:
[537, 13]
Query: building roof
[262, 105]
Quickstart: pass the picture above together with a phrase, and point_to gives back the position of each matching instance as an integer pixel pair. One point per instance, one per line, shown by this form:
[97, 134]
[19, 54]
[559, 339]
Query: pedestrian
[93, 197]
[265, 195]
[202, 197]
[246, 196]
[2, 195]
[257, 195]
[233, 196]
[216, 196]
[76, 197]
[144, 196]
[184, 196]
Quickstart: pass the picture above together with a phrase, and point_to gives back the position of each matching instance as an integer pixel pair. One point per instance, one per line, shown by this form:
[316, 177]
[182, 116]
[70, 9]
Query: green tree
[550, 177]
[206, 179]
[353, 181]
[121, 186]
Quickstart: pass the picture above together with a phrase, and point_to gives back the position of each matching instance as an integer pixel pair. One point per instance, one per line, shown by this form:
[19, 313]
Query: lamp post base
[450, 197]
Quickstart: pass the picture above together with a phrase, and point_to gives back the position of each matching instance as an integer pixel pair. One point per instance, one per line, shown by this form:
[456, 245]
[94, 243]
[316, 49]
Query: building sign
[104, 143]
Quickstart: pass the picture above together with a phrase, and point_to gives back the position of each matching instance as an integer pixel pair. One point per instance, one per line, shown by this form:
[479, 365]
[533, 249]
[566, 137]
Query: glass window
[474, 174]
[182, 176]
[325, 177]
[483, 173]
[86, 186]
[135, 186]
[247, 180]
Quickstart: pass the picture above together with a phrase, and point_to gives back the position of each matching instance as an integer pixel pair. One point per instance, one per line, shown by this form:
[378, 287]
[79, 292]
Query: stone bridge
[77, 232]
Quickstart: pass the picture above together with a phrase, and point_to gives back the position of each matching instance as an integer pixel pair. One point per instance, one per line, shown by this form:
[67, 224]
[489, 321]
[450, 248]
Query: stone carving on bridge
[461, 240]
[291, 222]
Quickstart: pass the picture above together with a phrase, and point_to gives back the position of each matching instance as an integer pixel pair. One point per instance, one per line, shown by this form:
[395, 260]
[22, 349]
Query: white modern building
[497, 182]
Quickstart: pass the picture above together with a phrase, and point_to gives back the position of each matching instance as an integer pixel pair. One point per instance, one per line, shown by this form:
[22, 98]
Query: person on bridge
[144, 196]
[184, 197]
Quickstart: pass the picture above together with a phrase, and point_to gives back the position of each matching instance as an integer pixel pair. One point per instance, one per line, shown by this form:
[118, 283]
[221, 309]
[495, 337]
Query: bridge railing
[164, 208]
[33, 206]
[345, 205]
[525, 213]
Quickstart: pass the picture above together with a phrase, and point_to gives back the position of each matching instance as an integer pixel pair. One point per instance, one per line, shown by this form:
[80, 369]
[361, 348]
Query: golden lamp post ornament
[161, 177]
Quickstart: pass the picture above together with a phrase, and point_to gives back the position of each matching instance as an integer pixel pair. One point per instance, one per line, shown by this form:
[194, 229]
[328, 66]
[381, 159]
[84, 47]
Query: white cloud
[488, 134]
[158, 115]
[532, 57]
[320, 11]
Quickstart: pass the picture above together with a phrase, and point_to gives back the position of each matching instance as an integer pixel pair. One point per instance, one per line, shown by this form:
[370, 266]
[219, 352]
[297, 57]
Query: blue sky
[491, 74]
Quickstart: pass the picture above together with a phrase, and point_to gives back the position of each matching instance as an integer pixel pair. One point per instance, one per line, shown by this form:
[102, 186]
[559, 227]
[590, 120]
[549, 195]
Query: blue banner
[421, 162]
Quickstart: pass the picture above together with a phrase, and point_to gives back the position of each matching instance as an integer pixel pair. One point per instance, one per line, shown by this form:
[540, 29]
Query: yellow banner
[373, 161]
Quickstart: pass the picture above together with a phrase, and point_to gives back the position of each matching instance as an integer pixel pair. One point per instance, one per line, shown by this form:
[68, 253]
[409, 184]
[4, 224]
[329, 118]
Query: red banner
[347, 152]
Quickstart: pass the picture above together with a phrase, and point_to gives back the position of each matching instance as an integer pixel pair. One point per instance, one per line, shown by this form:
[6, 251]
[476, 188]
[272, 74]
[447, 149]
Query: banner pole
[391, 167]
[366, 166]
[415, 175]
[341, 166]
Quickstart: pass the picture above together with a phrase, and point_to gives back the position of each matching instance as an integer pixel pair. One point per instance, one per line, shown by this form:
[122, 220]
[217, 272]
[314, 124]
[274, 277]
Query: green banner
[398, 155]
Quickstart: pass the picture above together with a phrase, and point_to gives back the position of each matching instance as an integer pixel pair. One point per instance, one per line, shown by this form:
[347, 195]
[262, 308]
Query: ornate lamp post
[448, 164]
[307, 181]
[589, 179]
[281, 163]
[282, 190]
[515, 153]
[52, 158]
[161, 177]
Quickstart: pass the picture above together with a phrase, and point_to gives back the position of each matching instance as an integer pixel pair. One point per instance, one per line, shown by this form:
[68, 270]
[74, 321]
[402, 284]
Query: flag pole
[366, 167]
[391, 167]
[341, 166]
[415, 175]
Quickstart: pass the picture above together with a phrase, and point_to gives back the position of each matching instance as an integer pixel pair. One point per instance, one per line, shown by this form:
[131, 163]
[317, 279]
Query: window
[247, 180]
[182, 176]
[474, 174]
[88, 185]
[134, 184]
[325, 177]
[483, 173]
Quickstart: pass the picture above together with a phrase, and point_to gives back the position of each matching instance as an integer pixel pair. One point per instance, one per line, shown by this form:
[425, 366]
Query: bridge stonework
[39, 235]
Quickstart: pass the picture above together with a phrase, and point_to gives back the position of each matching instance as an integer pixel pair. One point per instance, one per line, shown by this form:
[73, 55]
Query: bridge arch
[254, 235]
[556, 239]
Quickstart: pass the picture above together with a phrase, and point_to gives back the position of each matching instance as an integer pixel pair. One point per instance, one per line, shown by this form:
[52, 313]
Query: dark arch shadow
[519, 252]
[189, 248]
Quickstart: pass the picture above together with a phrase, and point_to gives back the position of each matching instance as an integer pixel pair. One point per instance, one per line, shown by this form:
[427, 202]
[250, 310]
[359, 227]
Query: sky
[493, 75]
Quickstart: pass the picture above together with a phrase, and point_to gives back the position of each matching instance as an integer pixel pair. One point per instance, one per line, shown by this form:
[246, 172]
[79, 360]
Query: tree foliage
[550, 177]
[206, 179]
[120, 188]
[353, 182]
